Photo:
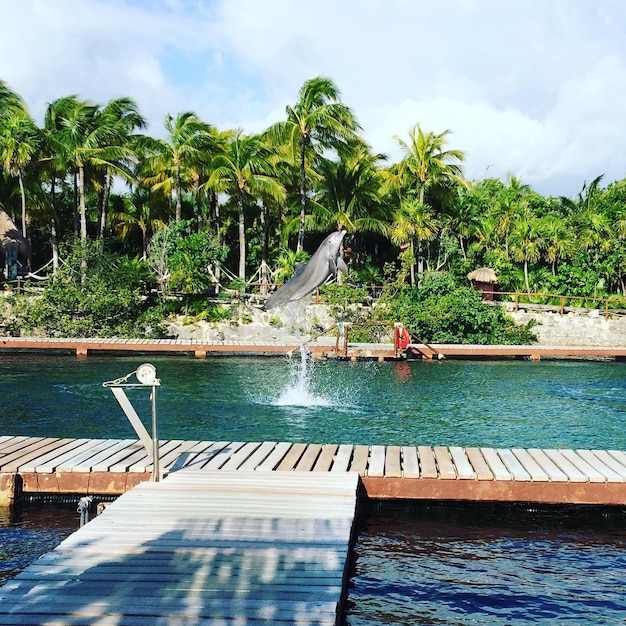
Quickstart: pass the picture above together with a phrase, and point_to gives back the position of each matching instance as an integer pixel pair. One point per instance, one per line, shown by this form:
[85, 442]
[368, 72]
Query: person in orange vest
[402, 336]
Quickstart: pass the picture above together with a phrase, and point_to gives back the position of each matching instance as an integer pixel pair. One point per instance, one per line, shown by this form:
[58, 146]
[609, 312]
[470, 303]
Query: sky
[532, 88]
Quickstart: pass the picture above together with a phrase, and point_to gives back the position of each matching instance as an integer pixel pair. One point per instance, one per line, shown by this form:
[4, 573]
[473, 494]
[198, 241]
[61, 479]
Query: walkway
[324, 347]
[112, 466]
[199, 548]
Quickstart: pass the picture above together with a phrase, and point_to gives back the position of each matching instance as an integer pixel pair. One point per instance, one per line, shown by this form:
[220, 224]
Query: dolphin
[308, 277]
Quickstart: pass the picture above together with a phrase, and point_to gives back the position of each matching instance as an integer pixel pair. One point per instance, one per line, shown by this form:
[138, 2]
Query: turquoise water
[490, 403]
[419, 566]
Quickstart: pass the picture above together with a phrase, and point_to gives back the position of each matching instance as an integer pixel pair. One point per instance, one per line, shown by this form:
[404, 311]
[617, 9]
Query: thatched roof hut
[483, 275]
[12, 246]
[483, 279]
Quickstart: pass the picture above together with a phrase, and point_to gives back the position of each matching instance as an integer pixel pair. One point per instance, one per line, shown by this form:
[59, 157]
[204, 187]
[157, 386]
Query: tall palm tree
[350, 193]
[317, 122]
[426, 163]
[174, 158]
[19, 143]
[527, 242]
[414, 220]
[244, 170]
[122, 116]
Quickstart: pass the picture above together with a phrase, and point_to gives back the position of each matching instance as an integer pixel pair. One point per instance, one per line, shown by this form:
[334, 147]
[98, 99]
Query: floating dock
[200, 548]
[38, 465]
[319, 349]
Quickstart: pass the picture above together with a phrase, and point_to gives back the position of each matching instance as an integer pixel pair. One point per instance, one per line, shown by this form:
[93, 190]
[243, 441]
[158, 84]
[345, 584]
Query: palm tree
[139, 212]
[557, 238]
[425, 162]
[350, 193]
[172, 160]
[317, 122]
[19, 143]
[527, 242]
[122, 116]
[414, 220]
[244, 170]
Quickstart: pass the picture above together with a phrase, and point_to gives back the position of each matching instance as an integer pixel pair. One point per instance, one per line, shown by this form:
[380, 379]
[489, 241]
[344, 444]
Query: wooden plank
[619, 456]
[238, 458]
[410, 462]
[555, 474]
[479, 464]
[393, 467]
[326, 458]
[306, 462]
[360, 458]
[188, 456]
[573, 474]
[428, 466]
[259, 456]
[513, 465]
[275, 457]
[200, 460]
[292, 457]
[79, 459]
[536, 473]
[445, 466]
[497, 467]
[218, 461]
[610, 474]
[376, 466]
[342, 458]
[30, 462]
[12, 460]
[611, 462]
[463, 468]
[593, 474]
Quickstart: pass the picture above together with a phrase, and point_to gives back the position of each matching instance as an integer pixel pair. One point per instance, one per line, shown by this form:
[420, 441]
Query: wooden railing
[562, 300]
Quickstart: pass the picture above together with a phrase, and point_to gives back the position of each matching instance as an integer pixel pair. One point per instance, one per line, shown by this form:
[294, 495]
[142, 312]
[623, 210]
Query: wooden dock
[200, 548]
[327, 349]
[31, 465]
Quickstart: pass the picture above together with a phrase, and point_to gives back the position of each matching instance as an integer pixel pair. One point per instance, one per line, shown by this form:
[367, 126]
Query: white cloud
[529, 87]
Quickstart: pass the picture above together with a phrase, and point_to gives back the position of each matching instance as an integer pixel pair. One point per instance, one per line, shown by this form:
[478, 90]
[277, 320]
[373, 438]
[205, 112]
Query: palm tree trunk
[300, 245]
[179, 193]
[83, 225]
[526, 277]
[23, 200]
[82, 206]
[242, 240]
[105, 207]
[54, 242]
[264, 248]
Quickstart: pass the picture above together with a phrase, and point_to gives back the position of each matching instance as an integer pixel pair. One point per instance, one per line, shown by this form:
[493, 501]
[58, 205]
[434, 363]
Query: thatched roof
[11, 238]
[483, 275]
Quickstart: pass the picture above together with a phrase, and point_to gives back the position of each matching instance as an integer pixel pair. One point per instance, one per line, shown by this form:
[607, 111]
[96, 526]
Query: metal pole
[156, 473]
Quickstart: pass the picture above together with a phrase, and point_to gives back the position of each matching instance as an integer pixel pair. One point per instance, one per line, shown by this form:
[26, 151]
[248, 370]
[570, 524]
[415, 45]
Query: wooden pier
[32, 465]
[248, 533]
[200, 548]
[320, 349]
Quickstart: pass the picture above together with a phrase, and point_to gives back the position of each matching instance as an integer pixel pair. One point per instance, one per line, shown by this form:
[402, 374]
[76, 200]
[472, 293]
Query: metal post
[156, 470]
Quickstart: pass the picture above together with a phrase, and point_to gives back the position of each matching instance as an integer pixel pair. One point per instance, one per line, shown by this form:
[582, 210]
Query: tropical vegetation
[116, 214]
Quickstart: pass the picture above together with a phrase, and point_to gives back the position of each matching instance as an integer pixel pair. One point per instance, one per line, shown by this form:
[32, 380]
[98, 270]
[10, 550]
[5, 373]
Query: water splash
[299, 391]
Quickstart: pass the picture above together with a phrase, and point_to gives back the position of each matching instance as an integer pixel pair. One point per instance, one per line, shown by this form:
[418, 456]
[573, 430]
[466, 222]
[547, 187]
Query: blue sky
[535, 88]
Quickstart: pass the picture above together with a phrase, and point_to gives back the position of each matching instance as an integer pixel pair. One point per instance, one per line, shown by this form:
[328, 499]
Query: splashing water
[298, 391]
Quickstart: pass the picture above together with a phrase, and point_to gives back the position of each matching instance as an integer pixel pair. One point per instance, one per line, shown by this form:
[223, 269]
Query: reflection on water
[439, 567]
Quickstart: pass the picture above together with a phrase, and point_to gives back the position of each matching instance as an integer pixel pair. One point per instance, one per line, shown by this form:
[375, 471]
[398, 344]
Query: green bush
[106, 298]
[442, 311]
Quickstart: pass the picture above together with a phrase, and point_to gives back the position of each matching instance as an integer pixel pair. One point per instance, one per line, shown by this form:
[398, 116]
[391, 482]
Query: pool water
[423, 565]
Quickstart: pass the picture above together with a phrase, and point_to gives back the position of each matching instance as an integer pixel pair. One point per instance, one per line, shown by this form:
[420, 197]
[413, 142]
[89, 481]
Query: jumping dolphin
[323, 264]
